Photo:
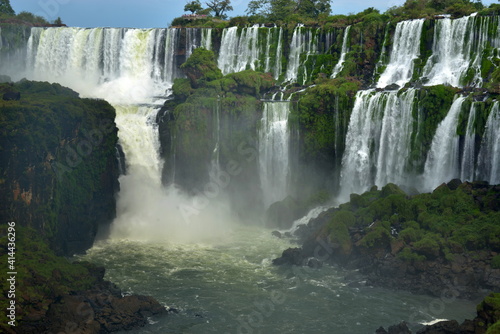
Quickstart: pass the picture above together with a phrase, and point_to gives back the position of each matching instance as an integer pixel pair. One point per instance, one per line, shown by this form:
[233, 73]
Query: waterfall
[378, 138]
[303, 42]
[274, 138]
[489, 153]
[467, 168]
[340, 65]
[190, 41]
[406, 48]
[247, 50]
[216, 151]
[116, 64]
[442, 164]
[237, 53]
[206, 38]
[312, 214]
[140, 142]
[130, 68]
[277, 57]
[454, 43]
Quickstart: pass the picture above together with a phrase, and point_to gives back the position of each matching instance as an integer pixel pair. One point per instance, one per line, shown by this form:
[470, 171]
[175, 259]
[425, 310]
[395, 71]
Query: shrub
[427, 247]
[495, 262]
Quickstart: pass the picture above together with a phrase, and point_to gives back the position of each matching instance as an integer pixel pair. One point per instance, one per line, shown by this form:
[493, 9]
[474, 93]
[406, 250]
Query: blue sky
[153, 13]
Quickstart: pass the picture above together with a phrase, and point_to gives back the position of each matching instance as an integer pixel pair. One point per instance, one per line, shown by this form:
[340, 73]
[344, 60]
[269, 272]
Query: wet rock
[277, 234]
[402, 328]
[282, 214]
[392, 87]
[291, 256]
[454, 184]
[101, 309]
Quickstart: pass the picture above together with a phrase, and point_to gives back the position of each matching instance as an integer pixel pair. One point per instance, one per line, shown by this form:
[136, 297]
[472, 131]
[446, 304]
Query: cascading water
[242, 49]
[130, 68]
[406, 48]
[468, 164]
[273, 62]
[239, 52]
[379, 135]
[303, 42]
[455, 42]
[489, 153]
[442, 164]
[127, 67]
[340, 64]
[274, 138]
[116, 64]
[206, 38]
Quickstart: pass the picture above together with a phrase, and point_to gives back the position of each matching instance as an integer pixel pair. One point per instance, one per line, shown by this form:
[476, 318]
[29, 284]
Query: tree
[280, 9]
[6, 8]
[58, 21]
[193, 6]
[259, 7]
[219, 7]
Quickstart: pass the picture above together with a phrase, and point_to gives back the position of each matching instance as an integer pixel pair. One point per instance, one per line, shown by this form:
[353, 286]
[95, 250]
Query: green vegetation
[201, 67]
[57, 170]
[41, 278]
[433, 104]
[8, 16]
[428, 225]
[318, 12]
[6, 8]
[323, 115]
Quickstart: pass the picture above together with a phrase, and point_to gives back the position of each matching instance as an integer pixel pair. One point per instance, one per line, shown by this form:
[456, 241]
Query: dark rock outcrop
[11, 96]
[283, 213]
[488, 316]
[392, 254]
[100, 309]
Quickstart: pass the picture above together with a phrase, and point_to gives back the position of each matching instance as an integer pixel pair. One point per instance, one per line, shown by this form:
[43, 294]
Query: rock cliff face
[58, 169]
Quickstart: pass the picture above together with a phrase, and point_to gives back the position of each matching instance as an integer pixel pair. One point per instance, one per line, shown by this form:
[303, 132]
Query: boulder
[282, 214]
[11, 96]
[290, 256]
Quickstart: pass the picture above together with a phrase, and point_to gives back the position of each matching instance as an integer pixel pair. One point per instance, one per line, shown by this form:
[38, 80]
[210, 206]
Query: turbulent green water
[230, 286]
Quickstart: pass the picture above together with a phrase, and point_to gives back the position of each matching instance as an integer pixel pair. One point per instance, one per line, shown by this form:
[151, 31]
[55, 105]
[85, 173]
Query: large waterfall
[132, 69]
[406, 48]
[216, 285]
[274, 138]
[128, 67]
[117, 64]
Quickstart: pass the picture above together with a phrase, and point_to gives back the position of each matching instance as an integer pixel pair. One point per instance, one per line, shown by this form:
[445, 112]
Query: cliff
[58, 170]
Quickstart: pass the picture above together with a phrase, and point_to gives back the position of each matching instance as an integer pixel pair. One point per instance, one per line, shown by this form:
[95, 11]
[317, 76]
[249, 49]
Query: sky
[153, 13]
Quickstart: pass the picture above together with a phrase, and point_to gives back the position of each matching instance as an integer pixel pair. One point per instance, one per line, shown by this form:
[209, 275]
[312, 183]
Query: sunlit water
[232, 287]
